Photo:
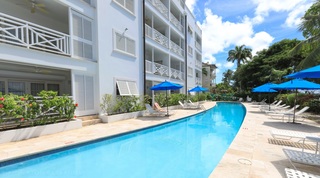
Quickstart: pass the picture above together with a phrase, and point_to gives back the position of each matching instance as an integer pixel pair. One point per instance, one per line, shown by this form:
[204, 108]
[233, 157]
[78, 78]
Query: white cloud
[295, 8]
[191, 4]
[294, 17]
[228, 65]
[218, 35]
[209, 58]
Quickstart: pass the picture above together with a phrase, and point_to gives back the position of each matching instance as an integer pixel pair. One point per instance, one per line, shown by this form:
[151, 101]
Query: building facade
[88, 48]
[209, 79]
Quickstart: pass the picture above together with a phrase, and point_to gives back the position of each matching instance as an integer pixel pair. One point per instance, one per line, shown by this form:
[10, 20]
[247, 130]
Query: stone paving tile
[249, 156]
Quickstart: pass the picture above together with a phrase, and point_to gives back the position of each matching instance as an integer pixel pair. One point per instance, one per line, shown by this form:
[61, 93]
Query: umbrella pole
[269, 101]
[167, 102]
[294, 109]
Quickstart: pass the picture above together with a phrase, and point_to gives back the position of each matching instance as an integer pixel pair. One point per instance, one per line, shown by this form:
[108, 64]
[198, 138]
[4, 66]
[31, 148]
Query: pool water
[191, 147]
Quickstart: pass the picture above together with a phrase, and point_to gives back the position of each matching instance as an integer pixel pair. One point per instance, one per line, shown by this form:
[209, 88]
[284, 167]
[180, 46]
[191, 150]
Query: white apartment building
[88, 48]
[170, 50]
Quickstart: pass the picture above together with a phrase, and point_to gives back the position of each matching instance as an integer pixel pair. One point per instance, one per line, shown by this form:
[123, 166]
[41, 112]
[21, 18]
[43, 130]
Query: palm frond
[311, 60]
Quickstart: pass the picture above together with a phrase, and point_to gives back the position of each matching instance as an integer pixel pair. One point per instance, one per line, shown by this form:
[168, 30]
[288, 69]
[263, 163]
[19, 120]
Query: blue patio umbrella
[313, 72]
[198, 89]
[265, 88]
[166, 85]
[296, 84]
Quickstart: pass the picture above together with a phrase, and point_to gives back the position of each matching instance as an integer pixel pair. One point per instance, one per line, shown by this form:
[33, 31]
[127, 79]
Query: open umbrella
[296, 84]
[198, 89]
[265, 88]
[313, 72]
[166, 85]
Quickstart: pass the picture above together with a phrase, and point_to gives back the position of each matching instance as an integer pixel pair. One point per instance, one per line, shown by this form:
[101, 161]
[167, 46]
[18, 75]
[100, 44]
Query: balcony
[176, 23]
[160, 7]
[156, 36]
[198, 64]
[162, 70]
[198, 45]
[18, 32]
[176, 49]
[198, 81]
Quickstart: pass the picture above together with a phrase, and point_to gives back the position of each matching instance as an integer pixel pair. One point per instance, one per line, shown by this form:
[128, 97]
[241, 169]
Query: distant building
[209, 80]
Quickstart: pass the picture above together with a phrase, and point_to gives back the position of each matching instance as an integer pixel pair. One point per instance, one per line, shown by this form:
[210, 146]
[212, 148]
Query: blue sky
[254, 23]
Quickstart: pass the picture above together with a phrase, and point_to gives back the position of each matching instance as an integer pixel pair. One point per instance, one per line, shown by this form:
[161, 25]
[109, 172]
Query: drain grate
[244, 161]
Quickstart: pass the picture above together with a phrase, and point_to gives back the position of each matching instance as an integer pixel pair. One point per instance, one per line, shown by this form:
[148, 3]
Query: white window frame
[127, 87]
[82, 39]
[125, 38]
[124, 5]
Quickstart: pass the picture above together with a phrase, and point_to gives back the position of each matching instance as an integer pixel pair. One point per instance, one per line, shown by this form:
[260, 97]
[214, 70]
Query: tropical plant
[310, 28]
[239, 54]
[227, 77]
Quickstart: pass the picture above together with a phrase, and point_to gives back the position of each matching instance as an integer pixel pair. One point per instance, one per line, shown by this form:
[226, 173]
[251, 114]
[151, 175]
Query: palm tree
[227, 77]
[310, 28]
[239, 54]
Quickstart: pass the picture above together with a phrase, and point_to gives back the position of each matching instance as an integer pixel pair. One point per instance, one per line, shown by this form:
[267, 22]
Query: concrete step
[91, 117]
[90, 122]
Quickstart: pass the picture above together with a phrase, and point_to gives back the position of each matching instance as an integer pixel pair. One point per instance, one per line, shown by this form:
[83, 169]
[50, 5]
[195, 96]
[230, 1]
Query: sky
[255, 23]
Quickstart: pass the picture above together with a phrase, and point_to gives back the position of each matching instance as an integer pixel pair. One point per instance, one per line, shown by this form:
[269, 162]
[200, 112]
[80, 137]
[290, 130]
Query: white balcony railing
[198, 46]
[198, 81]
[176, 74]
[162, 70]
[190, 50]
[22, 33]
[156, 36]
[176, 49]
[176, 23]
[198, 64]
[161, 8]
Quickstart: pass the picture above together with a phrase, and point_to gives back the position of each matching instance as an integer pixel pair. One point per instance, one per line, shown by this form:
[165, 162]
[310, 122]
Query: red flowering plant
[23, 111]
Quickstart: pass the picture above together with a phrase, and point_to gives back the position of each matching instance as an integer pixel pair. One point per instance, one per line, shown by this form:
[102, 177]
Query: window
[127, 88]
[17, 88]
[82, 36]
[190, 71]
[36, 88]
[54, 87]
[2, 87]
[126, 4]
[124, 44]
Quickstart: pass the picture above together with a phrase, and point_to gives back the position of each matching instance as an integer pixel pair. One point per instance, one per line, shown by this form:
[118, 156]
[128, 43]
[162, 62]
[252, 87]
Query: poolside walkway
[250, 154]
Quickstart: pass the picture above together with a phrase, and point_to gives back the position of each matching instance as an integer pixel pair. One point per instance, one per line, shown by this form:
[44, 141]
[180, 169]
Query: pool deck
[249, 156]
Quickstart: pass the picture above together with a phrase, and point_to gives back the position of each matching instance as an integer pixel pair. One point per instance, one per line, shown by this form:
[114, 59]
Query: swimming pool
[190, 147]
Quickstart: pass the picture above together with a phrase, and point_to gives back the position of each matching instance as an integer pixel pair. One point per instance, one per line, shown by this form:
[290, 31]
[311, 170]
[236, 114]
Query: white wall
[114, 65]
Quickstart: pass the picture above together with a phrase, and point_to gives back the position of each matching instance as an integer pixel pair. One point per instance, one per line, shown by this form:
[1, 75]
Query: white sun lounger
[288, 134]
[302, 157]
[292, 173]
[153, 112]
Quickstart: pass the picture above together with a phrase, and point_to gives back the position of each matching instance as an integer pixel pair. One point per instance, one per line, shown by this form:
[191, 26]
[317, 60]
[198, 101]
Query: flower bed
[27, 111]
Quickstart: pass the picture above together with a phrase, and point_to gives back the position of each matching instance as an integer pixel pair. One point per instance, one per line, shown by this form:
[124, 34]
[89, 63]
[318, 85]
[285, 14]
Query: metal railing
[15, 31]
[156, 36]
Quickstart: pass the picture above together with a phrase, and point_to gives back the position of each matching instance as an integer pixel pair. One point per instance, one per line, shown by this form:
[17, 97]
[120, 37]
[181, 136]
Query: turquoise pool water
[190, 147]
